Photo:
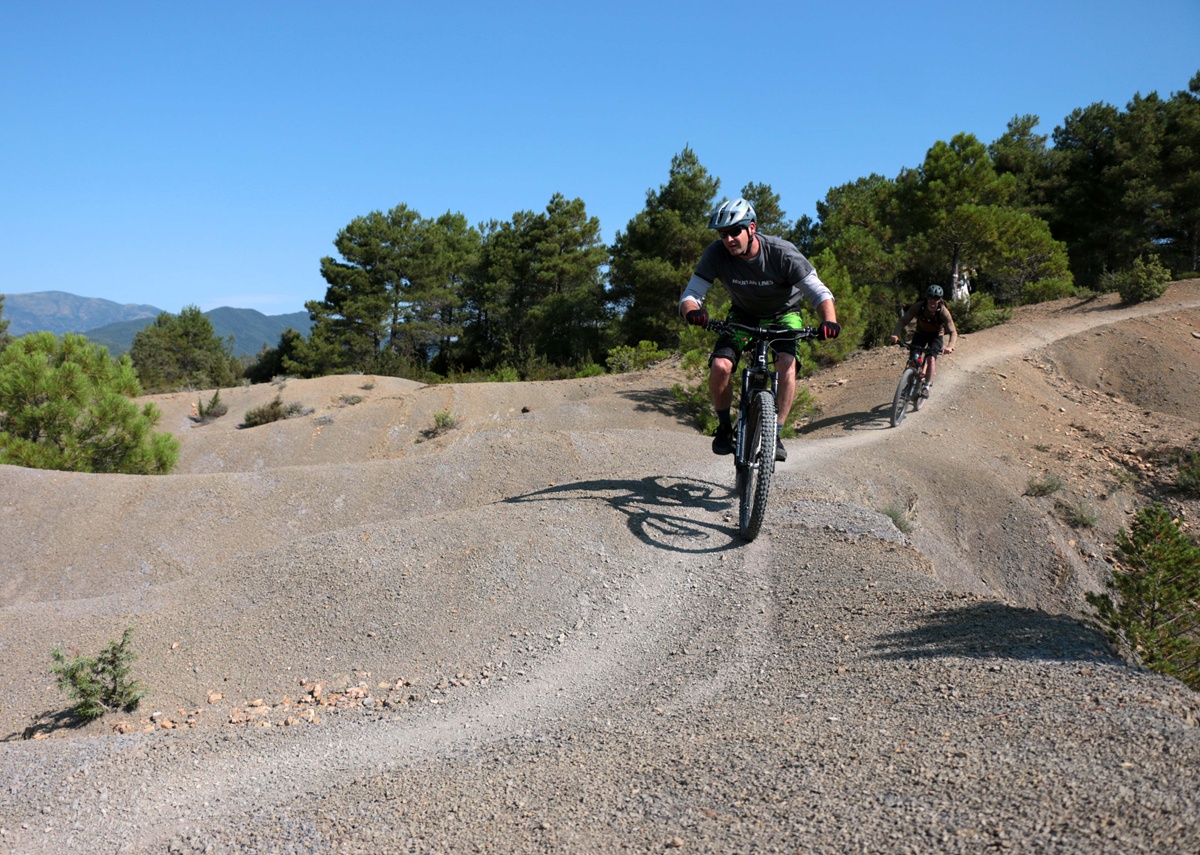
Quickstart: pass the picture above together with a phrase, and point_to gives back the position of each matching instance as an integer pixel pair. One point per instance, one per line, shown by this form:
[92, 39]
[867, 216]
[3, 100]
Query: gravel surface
[538, 631]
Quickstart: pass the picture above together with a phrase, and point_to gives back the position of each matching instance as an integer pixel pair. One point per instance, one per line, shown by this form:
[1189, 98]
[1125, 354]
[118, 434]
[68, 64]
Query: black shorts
[922, 339]
[728, 347]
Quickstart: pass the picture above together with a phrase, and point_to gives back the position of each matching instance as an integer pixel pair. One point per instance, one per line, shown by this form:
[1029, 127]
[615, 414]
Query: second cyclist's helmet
[739, 212]
[934, 292]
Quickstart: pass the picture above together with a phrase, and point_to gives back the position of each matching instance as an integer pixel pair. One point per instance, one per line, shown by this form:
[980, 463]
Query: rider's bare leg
[785, 392]
[930, 368]
[719, 385]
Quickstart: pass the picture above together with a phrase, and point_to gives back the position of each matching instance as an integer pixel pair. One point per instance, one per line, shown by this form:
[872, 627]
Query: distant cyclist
[767, 278]
[933, 318]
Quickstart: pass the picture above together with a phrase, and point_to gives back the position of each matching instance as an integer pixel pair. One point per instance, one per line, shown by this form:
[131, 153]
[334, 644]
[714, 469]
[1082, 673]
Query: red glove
[697, 317]
[828, 329]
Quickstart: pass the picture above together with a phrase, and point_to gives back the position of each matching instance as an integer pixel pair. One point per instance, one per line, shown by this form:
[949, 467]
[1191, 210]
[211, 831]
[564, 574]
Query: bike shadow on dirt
[877, 418]
[994, 630]
[650, 506]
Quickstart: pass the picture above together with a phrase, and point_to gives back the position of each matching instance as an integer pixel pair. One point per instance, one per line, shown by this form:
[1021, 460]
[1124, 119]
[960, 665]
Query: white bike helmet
[739, 212]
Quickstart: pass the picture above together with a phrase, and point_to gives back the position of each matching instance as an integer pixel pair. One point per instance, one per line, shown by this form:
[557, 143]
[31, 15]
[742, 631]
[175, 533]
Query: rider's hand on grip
[697, 317]
[828, 329]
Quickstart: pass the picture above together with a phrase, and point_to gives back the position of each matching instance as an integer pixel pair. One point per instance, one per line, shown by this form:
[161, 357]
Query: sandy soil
[370, 599]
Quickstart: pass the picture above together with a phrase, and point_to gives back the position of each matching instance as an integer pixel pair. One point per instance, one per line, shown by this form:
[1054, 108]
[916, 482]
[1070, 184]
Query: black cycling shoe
[780, 451]
[723, 442]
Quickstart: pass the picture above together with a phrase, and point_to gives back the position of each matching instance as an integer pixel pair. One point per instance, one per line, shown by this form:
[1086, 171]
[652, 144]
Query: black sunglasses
[733, 232]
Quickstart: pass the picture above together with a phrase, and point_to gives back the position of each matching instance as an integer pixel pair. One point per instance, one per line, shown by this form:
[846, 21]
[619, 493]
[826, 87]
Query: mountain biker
[766, 278]
[933, 318]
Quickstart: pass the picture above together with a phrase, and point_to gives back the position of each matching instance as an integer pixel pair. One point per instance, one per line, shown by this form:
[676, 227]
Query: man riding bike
[933, 318]
[767, 278]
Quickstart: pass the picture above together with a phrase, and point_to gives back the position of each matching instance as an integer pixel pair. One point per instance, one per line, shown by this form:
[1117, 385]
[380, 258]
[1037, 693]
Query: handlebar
[768, 333]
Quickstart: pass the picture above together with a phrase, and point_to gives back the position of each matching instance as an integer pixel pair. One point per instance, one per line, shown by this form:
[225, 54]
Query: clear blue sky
[208, 153]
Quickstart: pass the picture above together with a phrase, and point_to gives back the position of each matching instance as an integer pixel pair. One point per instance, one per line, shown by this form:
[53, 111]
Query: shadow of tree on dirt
[660, 401]
[647, 503]
[877, 418]
[46, 723]
[988, 630]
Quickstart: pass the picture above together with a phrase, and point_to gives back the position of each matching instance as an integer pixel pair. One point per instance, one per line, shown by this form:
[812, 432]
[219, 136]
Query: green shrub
[1046, 290]
[1155, 616]
[978, 312]
[1189, 474]
[214, 409]
[444, 420]
[625, 358]
[68, 405]
[275, 411]
[1047, 486]
[505, 374]
[102, 684]
[1144, 280]
[590, 370]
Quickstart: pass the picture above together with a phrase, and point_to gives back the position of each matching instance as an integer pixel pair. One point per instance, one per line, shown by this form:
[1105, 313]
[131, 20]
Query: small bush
[1047, 486]
[214, 409]
[899, 517]
[275, 411]
[589, 370]
[1144, 280]
[625, 358]
[1076, 515]
[349, 400]
[978, 313]
[505, 374]
[444, 420]
[1154, 616]
[102, 684]
[1048, 289]
[1189, 474]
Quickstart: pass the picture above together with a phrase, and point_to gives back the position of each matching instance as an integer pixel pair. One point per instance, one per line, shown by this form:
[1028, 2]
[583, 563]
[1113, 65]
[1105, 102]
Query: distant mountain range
[115, 324]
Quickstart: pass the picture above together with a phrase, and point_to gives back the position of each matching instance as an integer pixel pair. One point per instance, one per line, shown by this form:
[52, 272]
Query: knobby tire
[757, 465]
[904, 391]
[918, 392]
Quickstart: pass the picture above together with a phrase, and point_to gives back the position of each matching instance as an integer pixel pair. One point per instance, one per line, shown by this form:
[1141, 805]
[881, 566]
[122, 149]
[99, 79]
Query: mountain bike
[754, 446]
[910, 389]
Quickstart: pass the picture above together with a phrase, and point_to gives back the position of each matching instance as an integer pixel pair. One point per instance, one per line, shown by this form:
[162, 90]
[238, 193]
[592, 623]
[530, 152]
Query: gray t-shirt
[770, 284]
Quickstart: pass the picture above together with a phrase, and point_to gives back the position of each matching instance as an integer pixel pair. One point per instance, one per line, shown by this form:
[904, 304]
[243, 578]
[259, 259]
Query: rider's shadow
[648, 504]
[877, 418]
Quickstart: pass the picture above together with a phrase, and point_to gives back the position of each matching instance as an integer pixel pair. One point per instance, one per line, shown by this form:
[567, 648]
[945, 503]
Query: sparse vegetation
[102, 684]
[444, 420]
[1076, 514]
[1048, 485]
[350, 400]
[274, 411]
[214, 409]
[624, 358]
[1189, 474]
[1151, 608]
[899, 517]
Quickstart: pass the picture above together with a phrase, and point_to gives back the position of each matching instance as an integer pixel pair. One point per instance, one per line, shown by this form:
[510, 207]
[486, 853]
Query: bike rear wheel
[904, 392]
[756, 464]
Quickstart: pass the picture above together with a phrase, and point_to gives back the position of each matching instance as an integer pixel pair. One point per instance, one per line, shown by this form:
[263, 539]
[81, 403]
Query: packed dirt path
[538, 631]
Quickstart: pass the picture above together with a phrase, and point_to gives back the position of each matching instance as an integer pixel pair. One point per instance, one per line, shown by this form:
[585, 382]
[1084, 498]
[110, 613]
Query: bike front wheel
[904, 392]
[756, 464]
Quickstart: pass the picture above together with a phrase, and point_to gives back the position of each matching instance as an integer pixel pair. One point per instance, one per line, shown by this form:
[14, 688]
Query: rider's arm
[948, 324]
[826, 311]
[905, 320]
[693, 295]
